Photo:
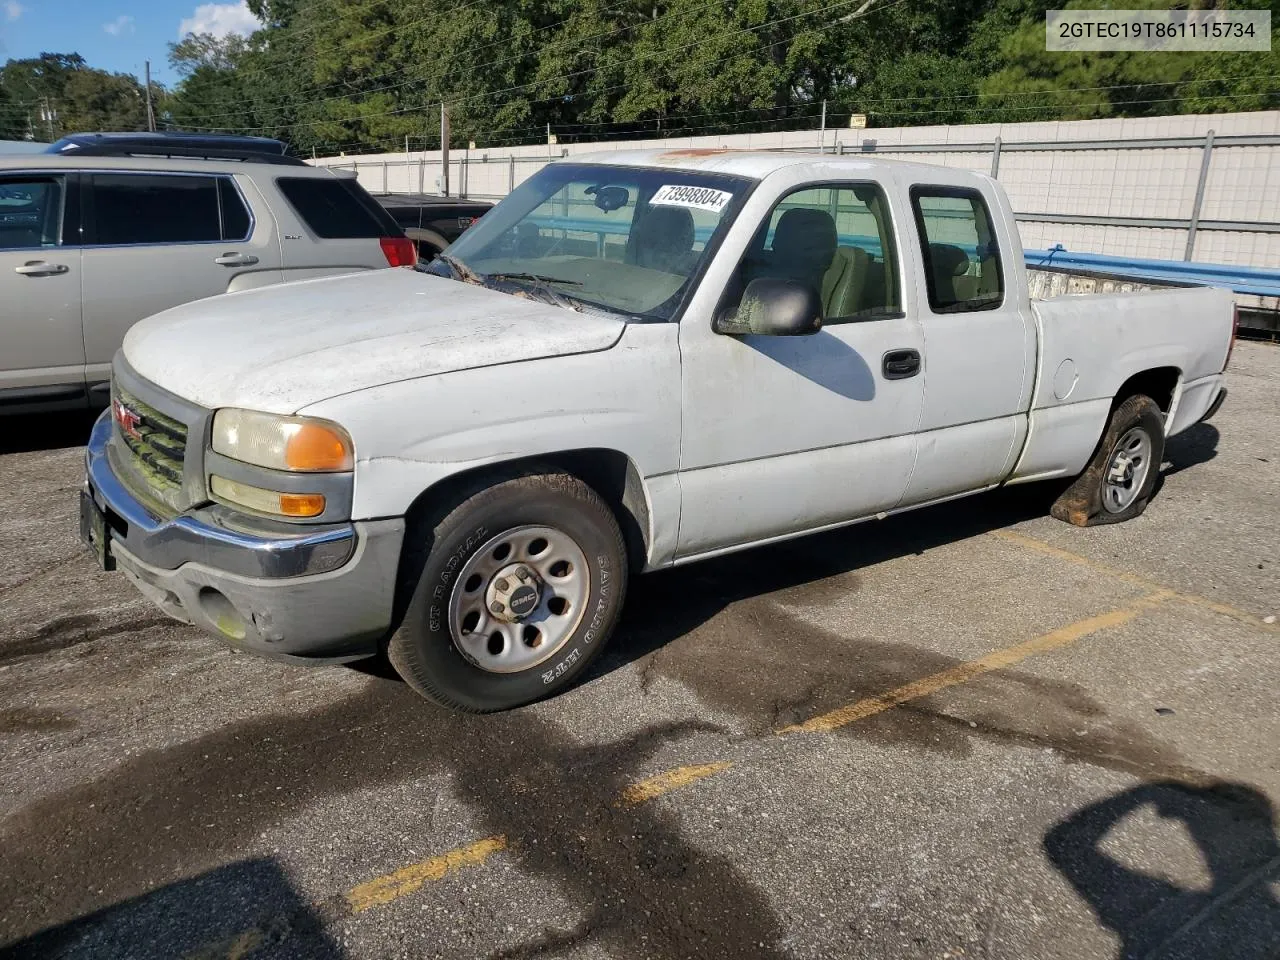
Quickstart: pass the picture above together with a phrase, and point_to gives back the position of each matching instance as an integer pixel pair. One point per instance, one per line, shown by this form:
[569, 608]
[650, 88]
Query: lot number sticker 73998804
[699, 198]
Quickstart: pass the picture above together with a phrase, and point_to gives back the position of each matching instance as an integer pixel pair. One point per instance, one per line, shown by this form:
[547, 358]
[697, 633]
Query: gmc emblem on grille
[127, 419]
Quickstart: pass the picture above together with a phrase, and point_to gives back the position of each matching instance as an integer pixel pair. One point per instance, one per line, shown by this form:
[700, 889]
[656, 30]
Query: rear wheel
[520, 587]
[1121, 478]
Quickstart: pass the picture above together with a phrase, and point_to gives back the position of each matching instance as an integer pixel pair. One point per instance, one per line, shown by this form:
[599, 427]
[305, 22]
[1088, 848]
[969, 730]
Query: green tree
[59, 94]
[13, 116]
[1027, 82]
[359, 75]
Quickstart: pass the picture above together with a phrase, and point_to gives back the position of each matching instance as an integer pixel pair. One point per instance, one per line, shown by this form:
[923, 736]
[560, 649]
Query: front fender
[410, 436]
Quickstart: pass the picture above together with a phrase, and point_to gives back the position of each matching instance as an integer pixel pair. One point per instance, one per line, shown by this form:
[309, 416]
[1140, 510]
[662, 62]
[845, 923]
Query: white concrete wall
[1243, 183]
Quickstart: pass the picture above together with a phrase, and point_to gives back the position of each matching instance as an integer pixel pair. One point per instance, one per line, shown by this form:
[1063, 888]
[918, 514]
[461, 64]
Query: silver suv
[103, 230]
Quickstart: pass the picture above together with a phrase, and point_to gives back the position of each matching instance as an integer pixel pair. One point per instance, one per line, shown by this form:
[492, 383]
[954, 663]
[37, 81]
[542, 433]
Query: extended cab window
[961, 255]
[336, 209]
[142, 208]
[838, 239]
[30, 212]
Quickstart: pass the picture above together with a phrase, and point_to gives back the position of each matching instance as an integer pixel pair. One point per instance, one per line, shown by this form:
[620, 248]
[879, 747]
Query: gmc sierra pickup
[633, 361]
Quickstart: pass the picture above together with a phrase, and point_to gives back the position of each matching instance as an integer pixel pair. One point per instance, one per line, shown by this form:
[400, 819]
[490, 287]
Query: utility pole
[444, 149]
[822, 131]
[151, 114]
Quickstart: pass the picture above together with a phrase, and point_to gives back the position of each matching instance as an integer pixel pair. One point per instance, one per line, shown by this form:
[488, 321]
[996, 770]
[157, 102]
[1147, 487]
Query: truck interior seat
[804, 246]
[844, 287]
[663, 240]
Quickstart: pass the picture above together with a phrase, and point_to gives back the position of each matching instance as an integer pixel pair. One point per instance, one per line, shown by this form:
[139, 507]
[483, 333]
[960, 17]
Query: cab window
[837, 239]
[961, 255]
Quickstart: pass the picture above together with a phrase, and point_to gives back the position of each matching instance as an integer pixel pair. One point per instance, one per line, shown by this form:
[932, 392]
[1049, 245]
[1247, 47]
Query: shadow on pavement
[244, 908]
[629, 876]
[45, 431]
[1233, 827]
[668, 604]
[1192, 447]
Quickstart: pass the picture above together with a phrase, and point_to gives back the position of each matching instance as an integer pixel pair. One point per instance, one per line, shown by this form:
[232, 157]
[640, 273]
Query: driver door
[41, 341]
[783, 435]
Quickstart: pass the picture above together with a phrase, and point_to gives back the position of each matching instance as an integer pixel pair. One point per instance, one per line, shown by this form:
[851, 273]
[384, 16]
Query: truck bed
[1091, 343]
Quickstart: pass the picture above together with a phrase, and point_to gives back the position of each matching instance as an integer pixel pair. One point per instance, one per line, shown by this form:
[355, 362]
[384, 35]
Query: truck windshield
[625, 239]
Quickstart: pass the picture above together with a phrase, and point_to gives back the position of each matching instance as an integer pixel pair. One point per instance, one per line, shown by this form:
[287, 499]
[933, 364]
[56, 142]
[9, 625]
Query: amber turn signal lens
[302, 504]
[313, 446]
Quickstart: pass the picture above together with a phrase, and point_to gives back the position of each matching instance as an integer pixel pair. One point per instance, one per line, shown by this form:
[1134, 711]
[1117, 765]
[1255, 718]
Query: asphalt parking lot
[968, 732]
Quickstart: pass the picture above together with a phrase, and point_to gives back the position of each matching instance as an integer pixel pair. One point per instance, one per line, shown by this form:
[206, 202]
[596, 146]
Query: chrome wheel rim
[519, 598]
[1126, 470]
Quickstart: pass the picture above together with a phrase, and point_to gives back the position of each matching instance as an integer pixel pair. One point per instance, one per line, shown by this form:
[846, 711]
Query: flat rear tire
[1121, 477]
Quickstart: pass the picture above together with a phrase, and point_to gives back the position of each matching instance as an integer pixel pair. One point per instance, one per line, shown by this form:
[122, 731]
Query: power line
[1036, 93]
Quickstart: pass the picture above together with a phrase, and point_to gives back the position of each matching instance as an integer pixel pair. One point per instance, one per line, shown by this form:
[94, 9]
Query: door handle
[900, 364]
[40, 268]
[236, 260]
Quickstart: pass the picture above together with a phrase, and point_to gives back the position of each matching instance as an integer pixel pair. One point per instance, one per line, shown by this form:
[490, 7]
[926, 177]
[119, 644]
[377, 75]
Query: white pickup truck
[636, 360]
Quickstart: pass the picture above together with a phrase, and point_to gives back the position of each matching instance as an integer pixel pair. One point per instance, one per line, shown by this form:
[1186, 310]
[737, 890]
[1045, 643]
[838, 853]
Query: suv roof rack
[203, 146]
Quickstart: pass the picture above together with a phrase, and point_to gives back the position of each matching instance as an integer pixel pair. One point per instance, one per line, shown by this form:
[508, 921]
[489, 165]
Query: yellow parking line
[653, 787]
[963, 672]
[409, 879]
[1031, 543]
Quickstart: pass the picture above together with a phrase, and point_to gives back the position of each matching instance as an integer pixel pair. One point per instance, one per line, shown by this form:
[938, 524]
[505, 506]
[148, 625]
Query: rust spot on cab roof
[696, 152]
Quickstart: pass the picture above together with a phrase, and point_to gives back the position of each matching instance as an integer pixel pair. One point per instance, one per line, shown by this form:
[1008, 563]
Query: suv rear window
[337, 209]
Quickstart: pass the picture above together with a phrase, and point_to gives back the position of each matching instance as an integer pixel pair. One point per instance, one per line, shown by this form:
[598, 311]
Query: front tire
[1119, 481]
[520, 588]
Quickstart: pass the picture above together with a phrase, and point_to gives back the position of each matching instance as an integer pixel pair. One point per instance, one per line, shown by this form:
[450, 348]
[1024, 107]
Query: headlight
[302, 444]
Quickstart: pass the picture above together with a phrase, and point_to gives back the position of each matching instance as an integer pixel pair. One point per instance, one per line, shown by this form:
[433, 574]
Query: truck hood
[284, 347]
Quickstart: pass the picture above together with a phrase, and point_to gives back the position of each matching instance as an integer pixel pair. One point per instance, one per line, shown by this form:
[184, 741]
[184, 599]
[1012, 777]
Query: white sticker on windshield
[699, 198]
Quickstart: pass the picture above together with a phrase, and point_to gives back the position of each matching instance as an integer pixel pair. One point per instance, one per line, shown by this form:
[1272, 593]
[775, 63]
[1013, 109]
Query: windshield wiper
[541, 284]
[539, 277]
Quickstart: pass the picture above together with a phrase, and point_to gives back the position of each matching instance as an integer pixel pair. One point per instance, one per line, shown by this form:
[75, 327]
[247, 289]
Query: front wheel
[521, 586]
[1119, 481]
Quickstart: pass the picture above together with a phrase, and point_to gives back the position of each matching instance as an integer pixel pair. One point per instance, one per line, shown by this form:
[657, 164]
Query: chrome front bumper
[297, 592]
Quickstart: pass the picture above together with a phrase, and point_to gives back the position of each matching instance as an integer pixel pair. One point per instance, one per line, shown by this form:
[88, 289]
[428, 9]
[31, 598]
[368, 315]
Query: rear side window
[135, 208]
[30, 212]
[961, 255]
[235, 215]
[337, 209]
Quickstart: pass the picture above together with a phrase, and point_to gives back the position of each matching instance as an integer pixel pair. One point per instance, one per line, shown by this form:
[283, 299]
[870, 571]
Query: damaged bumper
[316, 593]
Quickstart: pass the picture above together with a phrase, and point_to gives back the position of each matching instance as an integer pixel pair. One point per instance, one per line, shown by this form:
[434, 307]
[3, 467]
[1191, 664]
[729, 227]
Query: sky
[116, 35]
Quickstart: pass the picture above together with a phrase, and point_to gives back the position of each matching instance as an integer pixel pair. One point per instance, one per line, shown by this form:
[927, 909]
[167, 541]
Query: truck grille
[152, 448]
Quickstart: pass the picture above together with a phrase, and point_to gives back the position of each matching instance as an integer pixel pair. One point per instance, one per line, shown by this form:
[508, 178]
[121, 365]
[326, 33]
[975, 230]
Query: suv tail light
[1235, 328]
[399, 251]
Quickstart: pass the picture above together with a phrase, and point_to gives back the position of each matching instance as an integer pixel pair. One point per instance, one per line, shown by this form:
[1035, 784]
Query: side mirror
[773, 307]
